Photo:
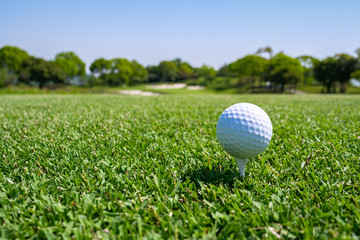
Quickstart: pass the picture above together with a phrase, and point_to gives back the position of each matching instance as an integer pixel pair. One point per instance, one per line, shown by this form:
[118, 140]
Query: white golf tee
[242, 165]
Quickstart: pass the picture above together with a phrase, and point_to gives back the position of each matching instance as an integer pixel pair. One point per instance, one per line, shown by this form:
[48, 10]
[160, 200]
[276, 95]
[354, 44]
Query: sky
[198, 31]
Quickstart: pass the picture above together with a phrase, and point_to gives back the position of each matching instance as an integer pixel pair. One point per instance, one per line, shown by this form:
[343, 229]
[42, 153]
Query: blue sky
[197, 31]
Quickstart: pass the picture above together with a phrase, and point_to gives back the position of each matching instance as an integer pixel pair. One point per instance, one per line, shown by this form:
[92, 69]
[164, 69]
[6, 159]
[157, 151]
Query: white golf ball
[244, 130]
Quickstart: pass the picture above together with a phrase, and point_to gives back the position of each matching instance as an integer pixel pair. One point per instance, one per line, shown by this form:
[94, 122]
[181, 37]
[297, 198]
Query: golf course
[179, 120]
[106, 166]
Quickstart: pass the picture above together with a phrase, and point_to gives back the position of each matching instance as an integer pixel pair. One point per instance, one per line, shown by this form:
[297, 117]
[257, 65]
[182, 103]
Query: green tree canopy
[100, 69]
[122, 71]
[267, 50]
[185, 71]
[206, 72]
[118, 71]
[345, 65]
[5, 77]
[168, 71]
[282, 69]
[101, 66]
[356, 74]
[12, 58]
[140, 74]
[357, 51]
[325, 72]
[223, 70]
[71, 64]
[154, 73]
[252, 66]
[308, 63]
[41, 71]
[335, 69]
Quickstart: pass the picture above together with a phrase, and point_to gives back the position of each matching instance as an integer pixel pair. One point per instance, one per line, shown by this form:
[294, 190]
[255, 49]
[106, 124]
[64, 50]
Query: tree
[41, 71]
[206, 72]
[12, 58]
[308, 63]
[168, 71]
[325, 72]
[72, 65]
[154, 73]
[267, 50]
[251, 67]
[5, 77]
[100, 66]
[356, 75]
[345, 65]
[335, 69]
[94, 81]
[185, 71]
[140, 74]
[100, 69]
[357, 51]
[282, 69]
[224, 71]
[118, 71]
[121, 72]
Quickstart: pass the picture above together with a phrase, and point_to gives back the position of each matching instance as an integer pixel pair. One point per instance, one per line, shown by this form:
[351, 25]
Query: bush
[94, 81]
[2, 78]
[220, 84]
[6, 78]
[196, 82]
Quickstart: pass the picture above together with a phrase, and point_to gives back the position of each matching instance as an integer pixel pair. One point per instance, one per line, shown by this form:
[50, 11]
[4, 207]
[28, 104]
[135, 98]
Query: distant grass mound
[100, 166]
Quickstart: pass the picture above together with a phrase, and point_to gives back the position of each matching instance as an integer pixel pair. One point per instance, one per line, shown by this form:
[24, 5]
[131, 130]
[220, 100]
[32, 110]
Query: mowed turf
[105, 166]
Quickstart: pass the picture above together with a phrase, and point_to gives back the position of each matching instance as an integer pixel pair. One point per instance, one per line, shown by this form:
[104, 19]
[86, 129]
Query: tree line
[262, 70]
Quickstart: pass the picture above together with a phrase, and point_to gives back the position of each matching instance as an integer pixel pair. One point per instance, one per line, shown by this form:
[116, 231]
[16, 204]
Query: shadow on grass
[214, 176]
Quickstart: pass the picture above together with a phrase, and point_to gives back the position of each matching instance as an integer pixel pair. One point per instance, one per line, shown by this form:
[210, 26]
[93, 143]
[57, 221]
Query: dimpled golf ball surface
[244, 130]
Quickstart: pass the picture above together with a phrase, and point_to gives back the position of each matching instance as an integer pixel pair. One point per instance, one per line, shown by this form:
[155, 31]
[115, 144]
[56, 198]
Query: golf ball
[244, 130]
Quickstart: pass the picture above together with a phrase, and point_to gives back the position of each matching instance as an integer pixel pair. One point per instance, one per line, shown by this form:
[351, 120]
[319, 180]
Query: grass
[319, 88]
[91, 90]
[100, 166]
[23, 89]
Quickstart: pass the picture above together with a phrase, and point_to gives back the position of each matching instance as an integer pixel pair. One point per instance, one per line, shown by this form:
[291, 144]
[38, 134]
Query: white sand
[167, 86]
[138, 92]
[195, 88]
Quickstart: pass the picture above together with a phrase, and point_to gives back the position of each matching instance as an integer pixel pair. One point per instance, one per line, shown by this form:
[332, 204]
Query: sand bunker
[138, 92]
[195, 88]
[167, 86]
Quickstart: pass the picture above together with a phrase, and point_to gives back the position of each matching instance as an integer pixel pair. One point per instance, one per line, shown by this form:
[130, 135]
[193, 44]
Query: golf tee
[242, 165]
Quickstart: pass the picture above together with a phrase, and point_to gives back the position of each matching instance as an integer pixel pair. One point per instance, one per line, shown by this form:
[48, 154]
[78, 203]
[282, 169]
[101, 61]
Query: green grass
[100, 89]
[23, 89]
[100, 166]
[315, 89]
[319, 88]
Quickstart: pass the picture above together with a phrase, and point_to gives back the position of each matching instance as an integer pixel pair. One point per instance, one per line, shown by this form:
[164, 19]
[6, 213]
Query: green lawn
[318, 89]
[100, 166]
[12, 89]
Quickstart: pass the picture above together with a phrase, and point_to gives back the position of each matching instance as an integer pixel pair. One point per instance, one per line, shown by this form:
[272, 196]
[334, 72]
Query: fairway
[100, 166]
